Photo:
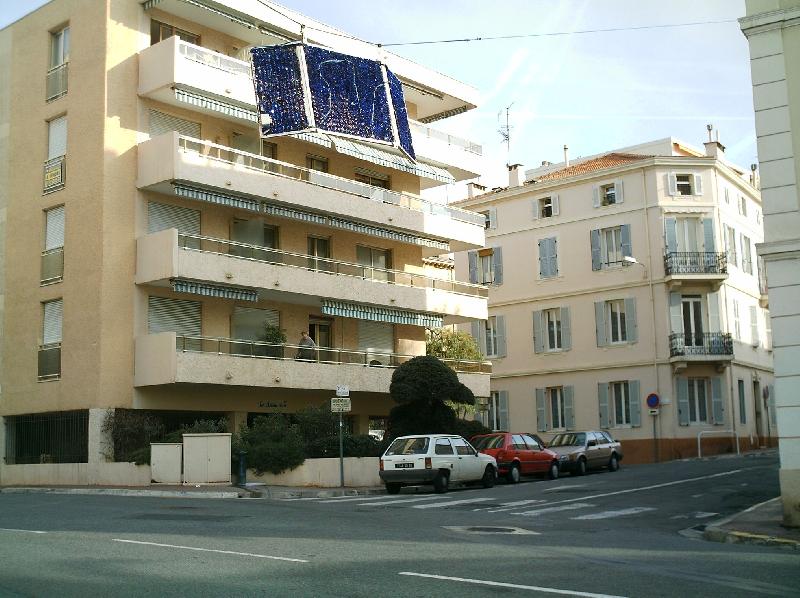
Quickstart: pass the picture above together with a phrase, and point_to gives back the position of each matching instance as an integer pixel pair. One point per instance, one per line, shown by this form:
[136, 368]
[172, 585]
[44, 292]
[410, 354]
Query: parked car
[586, 450]
[436, 459]
[518, 454]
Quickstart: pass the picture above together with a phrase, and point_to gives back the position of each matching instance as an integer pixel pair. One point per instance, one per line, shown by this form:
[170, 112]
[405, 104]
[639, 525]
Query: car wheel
[552, 473]
[613, 463]
[441, 482]
[580, 467]
[393, 488]
[489, 477]
[513, 474]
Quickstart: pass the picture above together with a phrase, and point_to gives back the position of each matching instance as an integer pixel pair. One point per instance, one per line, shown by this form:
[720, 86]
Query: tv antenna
[505, 130]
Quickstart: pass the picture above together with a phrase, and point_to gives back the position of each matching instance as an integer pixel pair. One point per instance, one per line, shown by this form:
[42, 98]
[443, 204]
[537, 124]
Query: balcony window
[617, 330]
[318, 163]
[54, 167]
[375, 261]
[50, 349]
[375, 179]
[698, 401]
[611, 246]
[621, 400]
[56, 82]
[160, 31]
[53, 254]
[255, 234]
[608, 195]
[555, 398]
[552, 320]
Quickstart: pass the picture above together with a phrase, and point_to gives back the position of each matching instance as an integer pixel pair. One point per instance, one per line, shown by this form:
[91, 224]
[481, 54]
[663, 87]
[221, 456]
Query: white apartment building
[620, 276]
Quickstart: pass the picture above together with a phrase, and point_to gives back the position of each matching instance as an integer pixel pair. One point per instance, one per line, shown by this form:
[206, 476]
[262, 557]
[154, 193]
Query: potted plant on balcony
[275, 339]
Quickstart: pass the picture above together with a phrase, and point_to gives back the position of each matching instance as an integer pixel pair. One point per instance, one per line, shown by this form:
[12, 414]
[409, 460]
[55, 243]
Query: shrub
[200, 426]
[362, 445]
[449, 344]
[131, 432]
[469, 428]
[273, 444]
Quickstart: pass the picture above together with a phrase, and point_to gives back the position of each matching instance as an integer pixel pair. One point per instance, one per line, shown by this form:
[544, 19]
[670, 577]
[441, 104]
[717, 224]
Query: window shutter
[479, 334]
[675, 315]
[553, 257]
[538, 332]
[544, 261]
[671, 234]
[502, 409]
[535, 209]
[602, 397]
[376, 336]
[54, 228]
[497, 263]
[636, 403]
[556, 205]
[173, 315]
[57, 137]
[242, 142]
[492, 218]
[594, 237]
[754, 336]
[566, 329]
[164, 123]
[713, 312]
[672, 184]
[727, 195]
[627, 250]
[163, 216]
[698, 184]
[618, 193]
[683, 401]
[631, 325]
[472, 262]
[596, 196]
[541, 411]
[717, 402]
[569, 407]
[600, 323]
[501, 335]
[708, 235]
[53, 320]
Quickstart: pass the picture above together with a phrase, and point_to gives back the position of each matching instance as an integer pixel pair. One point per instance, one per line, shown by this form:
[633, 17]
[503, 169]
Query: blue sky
[593, 92]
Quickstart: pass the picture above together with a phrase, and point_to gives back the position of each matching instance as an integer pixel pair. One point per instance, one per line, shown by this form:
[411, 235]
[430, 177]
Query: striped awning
[317, 138]
[202, 101]
[380, 314]
[213, 290]
[223, 199]
[366, 152]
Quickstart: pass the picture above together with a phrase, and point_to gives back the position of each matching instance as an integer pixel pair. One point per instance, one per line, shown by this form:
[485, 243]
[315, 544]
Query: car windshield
[408, 446]
[569, 440]
[488, 442]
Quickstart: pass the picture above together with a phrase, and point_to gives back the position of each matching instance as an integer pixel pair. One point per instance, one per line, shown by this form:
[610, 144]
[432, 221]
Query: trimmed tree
[448, 344]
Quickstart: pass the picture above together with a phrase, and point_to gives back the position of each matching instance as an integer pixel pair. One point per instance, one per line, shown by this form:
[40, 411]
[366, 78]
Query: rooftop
[599, 163]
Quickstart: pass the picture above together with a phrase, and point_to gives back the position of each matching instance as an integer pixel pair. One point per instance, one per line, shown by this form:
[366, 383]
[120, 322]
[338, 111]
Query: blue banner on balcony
[301, 87]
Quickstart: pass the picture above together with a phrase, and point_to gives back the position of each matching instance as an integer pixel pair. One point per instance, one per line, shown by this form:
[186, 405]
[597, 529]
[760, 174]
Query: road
[630, 533]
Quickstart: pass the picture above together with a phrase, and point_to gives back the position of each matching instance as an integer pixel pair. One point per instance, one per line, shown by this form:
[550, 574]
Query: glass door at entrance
[692, 307]
[319, 248]
[321, 333]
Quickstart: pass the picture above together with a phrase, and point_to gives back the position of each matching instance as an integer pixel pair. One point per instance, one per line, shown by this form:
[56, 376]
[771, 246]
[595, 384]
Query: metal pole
[341, 453]
[655, 439]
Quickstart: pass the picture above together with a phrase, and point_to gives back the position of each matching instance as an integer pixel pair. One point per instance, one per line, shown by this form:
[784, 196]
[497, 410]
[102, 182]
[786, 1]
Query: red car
[518, 454]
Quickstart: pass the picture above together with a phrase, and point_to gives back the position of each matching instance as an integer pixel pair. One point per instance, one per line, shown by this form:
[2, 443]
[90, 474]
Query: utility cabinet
[166, 459]
[207, 458]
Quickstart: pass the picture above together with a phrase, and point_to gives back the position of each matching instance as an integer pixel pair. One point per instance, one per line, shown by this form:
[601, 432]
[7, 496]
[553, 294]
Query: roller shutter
[378, 338]
[173, 315]
[164, 123]
[53, 321]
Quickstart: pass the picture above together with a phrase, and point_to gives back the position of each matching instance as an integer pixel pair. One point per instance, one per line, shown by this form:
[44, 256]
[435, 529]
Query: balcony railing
[56, 82]
[464, 144]
[323, 179]
[214, 59]
[50, 361]
[54, 174]
[327, 355]
[52, 265]
[327, 265]
[695, 262]
[700, 344]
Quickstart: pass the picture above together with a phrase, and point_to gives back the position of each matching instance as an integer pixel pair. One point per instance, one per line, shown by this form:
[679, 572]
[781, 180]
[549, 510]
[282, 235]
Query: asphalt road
[630, 533]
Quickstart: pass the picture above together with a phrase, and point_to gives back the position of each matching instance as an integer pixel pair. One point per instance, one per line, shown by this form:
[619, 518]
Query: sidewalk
[760, 524]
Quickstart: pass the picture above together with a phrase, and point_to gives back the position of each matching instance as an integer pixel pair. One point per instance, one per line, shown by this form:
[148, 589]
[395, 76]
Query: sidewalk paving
[760, 524]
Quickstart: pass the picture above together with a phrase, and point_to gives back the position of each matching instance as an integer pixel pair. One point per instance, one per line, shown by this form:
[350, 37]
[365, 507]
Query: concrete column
[101, 448]
[2, 447]
[236, 419]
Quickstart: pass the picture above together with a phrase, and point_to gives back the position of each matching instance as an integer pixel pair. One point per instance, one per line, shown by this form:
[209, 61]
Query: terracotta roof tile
[600, 163]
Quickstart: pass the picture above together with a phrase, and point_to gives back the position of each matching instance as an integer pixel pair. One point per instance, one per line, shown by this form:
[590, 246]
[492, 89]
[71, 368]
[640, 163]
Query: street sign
[340, 405]
[653, 401]
[342, 390]
[654, 412]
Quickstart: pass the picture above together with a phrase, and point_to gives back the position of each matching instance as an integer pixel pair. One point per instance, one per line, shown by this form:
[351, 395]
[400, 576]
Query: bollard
[242, 468]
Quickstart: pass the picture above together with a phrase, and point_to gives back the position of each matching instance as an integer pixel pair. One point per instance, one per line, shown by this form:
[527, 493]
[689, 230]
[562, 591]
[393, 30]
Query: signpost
[341, 404]
[653, 401]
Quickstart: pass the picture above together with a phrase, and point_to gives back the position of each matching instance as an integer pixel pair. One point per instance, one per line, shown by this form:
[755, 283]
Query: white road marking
[542, 511]
[403, 500]
[704, 515]
[557, 488]
[612, 514]
[697, 495]
[500, 584]
[507, 506]
[258, 556]
[449, 503]
[26, 531]
[360, 499]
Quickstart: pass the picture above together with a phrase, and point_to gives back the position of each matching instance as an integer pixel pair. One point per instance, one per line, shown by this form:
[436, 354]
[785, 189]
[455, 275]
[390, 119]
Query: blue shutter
[535, 208]
[472, 260]
[544, 262]
[683, 401]
[497, 264]
[538, 332]
[502, 409]
[602, 397]
[713, 312]
[569, 407]
[596, 196]
[594, 237]
[708, 234]
[675, 315]
[600, 323]
[671, 233]
[636, 403]
[631, 326]
[627, 250]
[500, 322]
[541, 411]
[566, 329]
[553, 257]
[479, 334]
[556, 205]
[717, 401]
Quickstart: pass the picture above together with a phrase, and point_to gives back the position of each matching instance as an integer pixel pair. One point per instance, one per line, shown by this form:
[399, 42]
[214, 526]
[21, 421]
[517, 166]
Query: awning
[380, 314]
[213, 290]
[202, 101]
[366, 152]
[223, 199]
[317, 138]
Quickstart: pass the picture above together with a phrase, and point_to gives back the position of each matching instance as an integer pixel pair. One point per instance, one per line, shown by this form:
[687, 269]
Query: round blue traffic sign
[653, 400]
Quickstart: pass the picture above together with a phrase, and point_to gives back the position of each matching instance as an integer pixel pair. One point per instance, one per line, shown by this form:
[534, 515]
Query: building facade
[155, 249]
[771, 28]
[620, 276]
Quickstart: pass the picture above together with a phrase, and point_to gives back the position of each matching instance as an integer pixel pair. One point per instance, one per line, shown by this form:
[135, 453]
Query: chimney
[714, 149]
[516, 176]
[566, 155]
[475, 189]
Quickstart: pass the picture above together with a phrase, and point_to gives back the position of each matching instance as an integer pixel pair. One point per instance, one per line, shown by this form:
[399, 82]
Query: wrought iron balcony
[54, 174]
[695, 262]
[700, 344]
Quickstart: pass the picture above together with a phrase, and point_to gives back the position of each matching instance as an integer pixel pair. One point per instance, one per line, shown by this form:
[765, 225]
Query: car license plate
[403, 465]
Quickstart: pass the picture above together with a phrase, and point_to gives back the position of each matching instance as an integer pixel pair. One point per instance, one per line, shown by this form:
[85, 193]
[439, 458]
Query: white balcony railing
[430, 132]
[56, 82]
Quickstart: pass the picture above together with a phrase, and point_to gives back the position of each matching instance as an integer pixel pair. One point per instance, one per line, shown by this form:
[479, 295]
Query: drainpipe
[652, 302]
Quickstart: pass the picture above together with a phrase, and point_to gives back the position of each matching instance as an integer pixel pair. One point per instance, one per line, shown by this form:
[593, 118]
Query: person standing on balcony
[307, 346]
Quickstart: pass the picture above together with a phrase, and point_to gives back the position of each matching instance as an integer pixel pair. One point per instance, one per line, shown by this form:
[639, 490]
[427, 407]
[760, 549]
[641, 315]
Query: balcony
[701, 347]
[170, 163]
[167, 358]
[692, 267]
[49, 362]
[52, 266]
[174, 72]
[54, 174]
[56, 82]
[292, 277]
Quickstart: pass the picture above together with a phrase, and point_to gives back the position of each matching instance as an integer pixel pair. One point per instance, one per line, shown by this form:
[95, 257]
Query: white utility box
[166, 459]
[206, 458]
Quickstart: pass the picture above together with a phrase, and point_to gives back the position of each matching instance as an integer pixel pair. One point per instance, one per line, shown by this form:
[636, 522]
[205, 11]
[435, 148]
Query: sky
[594, 92]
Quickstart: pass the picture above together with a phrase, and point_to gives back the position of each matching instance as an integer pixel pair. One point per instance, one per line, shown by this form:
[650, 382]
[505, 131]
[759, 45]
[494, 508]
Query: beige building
[150, 239]
[771, 28]
[623, 275]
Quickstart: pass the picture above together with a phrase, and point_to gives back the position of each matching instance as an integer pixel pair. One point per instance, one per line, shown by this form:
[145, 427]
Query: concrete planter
[324, 473]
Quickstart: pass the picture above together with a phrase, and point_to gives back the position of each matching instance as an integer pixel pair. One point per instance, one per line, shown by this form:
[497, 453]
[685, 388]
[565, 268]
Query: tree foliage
[448, 344]
[273, 444]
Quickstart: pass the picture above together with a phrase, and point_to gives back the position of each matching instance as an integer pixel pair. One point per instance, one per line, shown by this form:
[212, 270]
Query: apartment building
[153, 245]
[620, 276]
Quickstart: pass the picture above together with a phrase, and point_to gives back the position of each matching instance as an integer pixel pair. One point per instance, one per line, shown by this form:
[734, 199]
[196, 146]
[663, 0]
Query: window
[375, 179]
[743, 206]
[57, 137]
[742, 407]
[552, 321]
[486, 268]
[462, 448]
[531, 443]
[684, 184]
[555, 401]
[375, 262]
[755, 337]
[730, 245]
[546, 207]
[50, 349]
[160, 31]
[497, 412]
[269, 149]
[737, 323]
[609, 246]
[443, 447]
[486, 265]
[317, 163]
[747, 256]
[56, 80]
[53, 254]
[698, 401]
[621, 399]
[617, 331]
[615, 321]
[59, 47]
[608, 195]
[491, 336]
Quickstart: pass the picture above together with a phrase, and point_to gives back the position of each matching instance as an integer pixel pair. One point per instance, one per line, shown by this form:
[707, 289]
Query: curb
[280, 493]
[122, 492]
[715, 532]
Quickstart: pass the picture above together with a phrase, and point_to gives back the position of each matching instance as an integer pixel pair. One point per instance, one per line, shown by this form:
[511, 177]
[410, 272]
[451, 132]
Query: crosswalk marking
[542, 511]
[612, 514]
[400, 500]
[449, 503]
[358, 499]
